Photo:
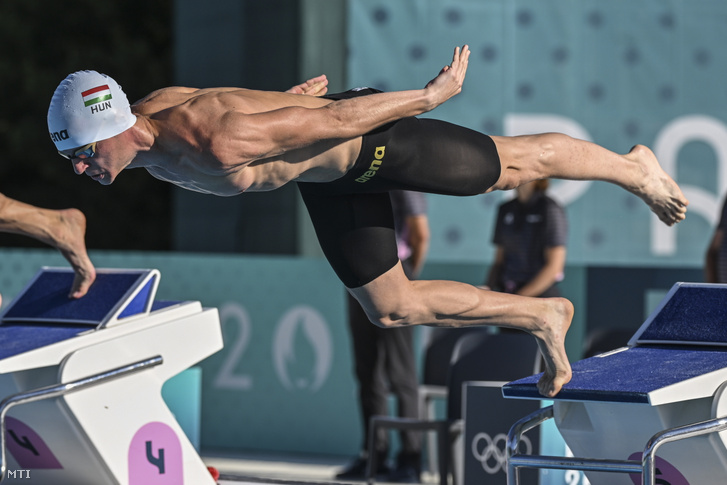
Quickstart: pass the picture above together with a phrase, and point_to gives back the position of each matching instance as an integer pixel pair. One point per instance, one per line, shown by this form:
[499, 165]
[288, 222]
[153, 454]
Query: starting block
[667, 386]
[81, 381]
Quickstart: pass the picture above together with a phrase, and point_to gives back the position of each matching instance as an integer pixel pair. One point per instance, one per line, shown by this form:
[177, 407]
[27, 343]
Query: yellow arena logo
[375, 164]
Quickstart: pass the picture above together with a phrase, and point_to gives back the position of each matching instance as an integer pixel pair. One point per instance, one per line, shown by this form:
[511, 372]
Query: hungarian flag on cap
[96, 95]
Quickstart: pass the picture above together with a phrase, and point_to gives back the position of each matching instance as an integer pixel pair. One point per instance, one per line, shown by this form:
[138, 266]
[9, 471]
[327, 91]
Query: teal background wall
[618, 73]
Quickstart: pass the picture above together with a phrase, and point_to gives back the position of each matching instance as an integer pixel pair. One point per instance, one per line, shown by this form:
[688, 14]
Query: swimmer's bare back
[230, 140]
[192, 122]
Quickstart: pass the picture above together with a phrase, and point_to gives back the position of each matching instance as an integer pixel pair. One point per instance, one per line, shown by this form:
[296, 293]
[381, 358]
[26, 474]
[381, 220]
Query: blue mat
[46, 299]
[628, 376]
[691, 312]
[18, 338]
[683, 338]
[43, 314]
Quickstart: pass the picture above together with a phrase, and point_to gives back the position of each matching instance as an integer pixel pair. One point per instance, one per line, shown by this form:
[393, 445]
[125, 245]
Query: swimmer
[345, 152]
[64, 230]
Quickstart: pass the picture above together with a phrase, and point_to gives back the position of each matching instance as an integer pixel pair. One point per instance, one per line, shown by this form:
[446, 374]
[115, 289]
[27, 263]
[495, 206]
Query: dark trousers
[384, 363]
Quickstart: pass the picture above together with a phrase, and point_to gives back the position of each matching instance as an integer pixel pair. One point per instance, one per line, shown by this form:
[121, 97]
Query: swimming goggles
[86, 151]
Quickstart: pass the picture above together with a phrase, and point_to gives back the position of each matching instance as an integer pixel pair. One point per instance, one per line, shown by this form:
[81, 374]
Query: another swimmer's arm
[272, 133]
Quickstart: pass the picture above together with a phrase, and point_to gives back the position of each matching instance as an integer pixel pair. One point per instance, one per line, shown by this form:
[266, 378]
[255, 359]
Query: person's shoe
[405, 474]
[357, 469]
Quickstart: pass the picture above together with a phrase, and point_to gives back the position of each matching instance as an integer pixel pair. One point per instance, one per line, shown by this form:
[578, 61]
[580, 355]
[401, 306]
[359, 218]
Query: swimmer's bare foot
[550, 335]
[69, 237]
[657, 188]
[64, 230]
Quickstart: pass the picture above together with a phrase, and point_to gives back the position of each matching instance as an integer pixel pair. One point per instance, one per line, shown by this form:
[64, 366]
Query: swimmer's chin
[103, 178]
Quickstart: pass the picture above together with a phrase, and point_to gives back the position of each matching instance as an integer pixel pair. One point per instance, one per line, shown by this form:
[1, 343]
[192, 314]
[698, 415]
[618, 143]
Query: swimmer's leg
[64, 230]
[393, 300]
[554, 155]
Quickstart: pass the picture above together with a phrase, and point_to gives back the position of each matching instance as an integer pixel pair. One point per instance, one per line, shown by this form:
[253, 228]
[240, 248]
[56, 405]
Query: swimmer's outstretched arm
[272, 133]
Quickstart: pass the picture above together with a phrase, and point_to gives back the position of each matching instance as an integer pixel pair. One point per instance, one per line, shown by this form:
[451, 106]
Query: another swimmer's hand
[449, 81]
[317, 86]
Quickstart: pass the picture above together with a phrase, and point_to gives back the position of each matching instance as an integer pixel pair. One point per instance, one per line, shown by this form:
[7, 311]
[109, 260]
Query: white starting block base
[619, 405]
[621, 431]
[120, 431]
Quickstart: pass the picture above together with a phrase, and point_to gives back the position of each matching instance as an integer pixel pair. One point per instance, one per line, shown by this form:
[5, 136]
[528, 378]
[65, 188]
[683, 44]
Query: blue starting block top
[684, 339]
[629, 375]
[690, 314]
[43, 314]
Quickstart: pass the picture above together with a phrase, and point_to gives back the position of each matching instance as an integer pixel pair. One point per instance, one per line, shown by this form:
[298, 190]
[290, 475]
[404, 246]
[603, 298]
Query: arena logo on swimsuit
[375, 164]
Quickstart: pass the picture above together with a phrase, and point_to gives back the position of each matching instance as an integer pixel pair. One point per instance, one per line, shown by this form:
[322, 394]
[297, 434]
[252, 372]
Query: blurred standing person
[530, 235]
[715, 264]
[384, 357]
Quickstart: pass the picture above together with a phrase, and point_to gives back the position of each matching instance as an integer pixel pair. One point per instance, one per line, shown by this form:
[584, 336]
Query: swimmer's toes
[547, 387]
[550, 385]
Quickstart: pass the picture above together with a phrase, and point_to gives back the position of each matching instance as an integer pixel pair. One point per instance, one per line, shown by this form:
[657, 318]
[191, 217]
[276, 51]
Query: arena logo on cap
[95, 98]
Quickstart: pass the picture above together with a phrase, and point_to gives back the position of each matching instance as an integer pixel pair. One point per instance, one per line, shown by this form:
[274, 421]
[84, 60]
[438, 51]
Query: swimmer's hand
[449, 81]
[317, 86]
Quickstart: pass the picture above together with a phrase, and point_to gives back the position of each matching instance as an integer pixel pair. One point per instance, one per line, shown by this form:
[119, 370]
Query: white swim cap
[87, 107]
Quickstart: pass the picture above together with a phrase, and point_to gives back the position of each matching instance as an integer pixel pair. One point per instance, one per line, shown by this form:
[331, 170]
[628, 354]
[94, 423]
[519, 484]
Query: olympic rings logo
[492, 456]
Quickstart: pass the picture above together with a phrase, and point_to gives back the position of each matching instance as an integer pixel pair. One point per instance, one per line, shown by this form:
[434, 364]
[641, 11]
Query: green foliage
[41, 43]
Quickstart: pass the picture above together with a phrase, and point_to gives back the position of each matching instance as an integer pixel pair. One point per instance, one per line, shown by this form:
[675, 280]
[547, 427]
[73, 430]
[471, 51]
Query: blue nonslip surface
[18, 338]
[694, 313]
[47, 298]
[628, 376]
[43, 314]
[683, 338]
[140, 301]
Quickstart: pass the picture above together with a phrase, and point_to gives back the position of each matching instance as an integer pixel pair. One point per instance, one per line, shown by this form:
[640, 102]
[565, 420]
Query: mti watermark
[18, 474]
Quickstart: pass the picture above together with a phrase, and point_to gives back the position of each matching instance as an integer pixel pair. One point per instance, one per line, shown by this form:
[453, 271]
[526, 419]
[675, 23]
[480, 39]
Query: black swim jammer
[352, 215]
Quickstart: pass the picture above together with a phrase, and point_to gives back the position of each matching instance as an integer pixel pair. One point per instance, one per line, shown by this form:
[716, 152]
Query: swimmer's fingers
[450, 79]
[317, 89]
[317, 86]
[460, 61]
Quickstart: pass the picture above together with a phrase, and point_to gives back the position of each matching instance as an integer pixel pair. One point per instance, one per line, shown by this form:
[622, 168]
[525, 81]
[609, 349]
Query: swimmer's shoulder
[166, 97]
[243, 100]
[177, 95]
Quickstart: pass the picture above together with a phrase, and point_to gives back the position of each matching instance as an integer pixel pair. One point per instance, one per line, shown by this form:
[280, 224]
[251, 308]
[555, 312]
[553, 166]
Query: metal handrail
[675, 434]
[56, 390]
[645, 467]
